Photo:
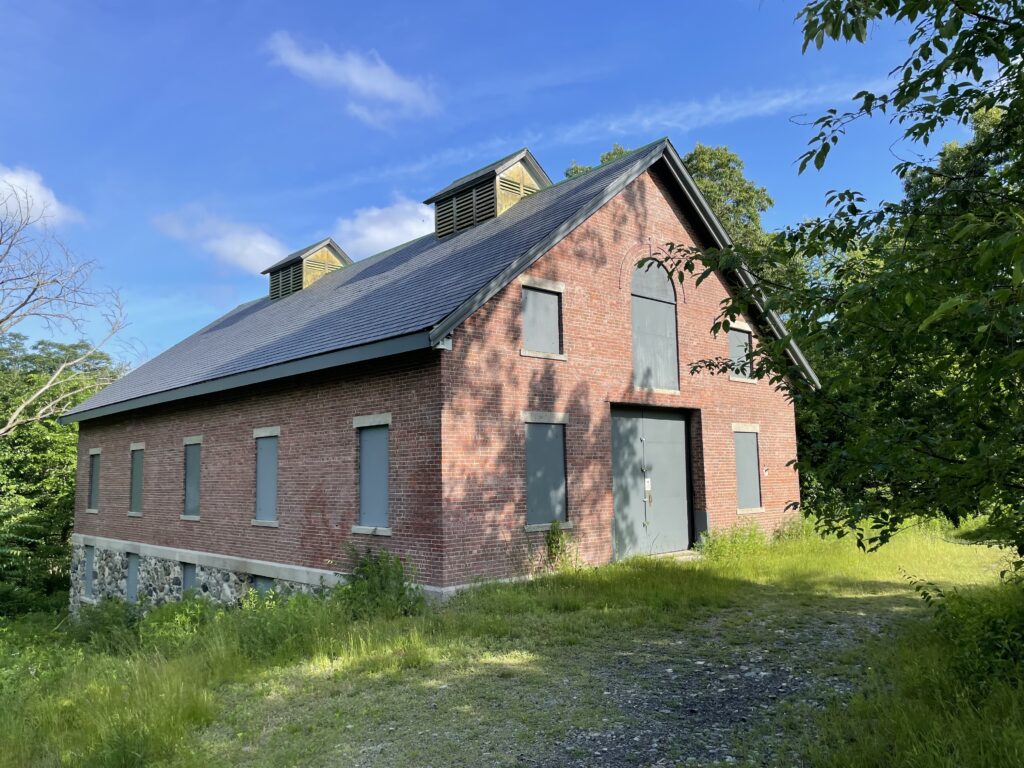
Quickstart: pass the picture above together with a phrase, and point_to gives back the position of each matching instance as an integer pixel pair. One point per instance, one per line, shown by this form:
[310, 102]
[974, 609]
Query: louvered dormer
[486, 193]
[304, 267]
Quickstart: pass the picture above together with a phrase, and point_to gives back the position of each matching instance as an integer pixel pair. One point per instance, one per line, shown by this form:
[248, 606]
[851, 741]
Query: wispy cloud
[685, 116]
[39, 198]
[377, 94]
[372, 230]
[234, 243]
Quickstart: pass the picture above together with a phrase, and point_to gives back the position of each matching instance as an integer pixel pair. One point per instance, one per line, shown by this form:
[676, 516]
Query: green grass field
[536, 673]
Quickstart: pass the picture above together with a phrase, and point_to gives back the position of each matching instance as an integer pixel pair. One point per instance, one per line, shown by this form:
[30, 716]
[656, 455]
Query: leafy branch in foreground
[912, 312]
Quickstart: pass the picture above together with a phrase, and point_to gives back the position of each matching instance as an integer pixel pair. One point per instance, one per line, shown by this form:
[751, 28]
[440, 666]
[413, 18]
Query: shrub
[175, 624]
[985, 633]
[111, 625]
[557, 544]
[379, 587]
[736, 543]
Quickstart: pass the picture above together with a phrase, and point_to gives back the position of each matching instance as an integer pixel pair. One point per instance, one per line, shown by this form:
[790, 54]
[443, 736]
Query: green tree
[914, 312]
[575, 169]
[37, 472]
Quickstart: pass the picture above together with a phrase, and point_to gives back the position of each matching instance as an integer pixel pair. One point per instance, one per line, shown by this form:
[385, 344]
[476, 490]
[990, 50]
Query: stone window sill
[89, 600]
[192, 518]
[265, 523]
[92, 511]
[742, 379]
[134, 514]
[544, 355]
[750, 511]
[656, 390]
[531, 527]
[369, 530]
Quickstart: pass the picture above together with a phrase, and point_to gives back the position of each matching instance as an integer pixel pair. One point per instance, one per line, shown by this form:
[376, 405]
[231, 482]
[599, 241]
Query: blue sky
[185, 146]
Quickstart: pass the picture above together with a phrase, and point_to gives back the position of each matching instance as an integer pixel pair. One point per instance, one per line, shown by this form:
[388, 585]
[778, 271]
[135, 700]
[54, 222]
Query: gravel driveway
[720, 692]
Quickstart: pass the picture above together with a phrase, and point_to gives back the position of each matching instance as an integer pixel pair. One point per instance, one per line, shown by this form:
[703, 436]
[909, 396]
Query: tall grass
[122, 689]
[948, 694]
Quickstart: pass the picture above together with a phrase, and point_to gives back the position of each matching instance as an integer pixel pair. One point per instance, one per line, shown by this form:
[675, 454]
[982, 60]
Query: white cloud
[372, 230]
[377, 94]
[685, 116]
[233, 242]
[39, 198]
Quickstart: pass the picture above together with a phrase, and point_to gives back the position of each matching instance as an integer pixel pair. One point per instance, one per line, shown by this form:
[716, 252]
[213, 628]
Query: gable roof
[406, 298]
[302, 253]
[493, 169]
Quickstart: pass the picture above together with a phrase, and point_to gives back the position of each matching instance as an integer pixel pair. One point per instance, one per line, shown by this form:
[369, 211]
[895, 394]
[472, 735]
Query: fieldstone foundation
[160, 580]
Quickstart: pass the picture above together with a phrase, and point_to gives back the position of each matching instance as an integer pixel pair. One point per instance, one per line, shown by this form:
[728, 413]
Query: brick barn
[446, 400]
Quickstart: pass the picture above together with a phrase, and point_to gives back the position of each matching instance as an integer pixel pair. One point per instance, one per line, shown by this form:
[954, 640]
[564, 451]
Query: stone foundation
[160, 580]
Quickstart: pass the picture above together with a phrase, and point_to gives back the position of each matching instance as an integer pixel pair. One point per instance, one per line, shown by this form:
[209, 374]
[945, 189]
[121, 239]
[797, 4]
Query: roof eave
[396, 345]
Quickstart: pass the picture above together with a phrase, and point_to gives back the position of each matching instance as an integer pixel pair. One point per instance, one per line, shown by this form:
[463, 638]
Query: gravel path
[713, 695]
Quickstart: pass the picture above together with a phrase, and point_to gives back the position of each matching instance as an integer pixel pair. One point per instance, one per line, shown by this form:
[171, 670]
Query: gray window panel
[262, 584]
[266, 478]
[652, 282]
[193, 463]
[90, 569]
[188, 576]
[739, 351]
[748, 472]
[373, 476]
[135, 499]
[542, 321]
[655, 349]
[132, 582]
[94, 481]
[545, 473]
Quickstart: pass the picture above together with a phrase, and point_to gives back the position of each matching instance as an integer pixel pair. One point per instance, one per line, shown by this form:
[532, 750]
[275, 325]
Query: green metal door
[650, 486]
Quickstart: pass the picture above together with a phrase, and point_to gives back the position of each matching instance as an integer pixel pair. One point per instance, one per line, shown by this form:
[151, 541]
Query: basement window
[132, 580]
[90, 570]
[188, 576]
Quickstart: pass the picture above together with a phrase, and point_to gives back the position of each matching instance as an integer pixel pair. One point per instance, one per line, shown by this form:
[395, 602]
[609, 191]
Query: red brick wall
[317, 470]
[457, 514]
[488, 383]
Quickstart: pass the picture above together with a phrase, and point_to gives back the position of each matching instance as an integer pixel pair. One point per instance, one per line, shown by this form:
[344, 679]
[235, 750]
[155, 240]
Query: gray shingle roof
[406, 289]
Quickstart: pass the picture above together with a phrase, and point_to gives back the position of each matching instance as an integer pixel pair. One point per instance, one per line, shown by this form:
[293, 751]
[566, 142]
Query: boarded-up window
[90, 569]
[748, 473]
[373, 476]
[266, 478]
[94, 481]
[132, 581]
[542, 321]
[188, 576]
[545, 473]
[739, 351]
[655, 349]
[193, 460]
[135, 497]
